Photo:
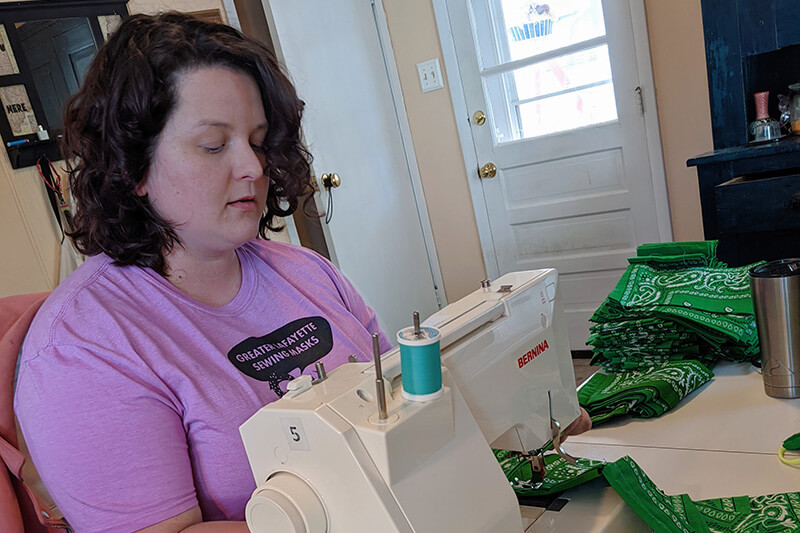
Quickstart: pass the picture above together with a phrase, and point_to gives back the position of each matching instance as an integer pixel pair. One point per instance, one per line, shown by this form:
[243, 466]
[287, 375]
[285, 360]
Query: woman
[185, 145]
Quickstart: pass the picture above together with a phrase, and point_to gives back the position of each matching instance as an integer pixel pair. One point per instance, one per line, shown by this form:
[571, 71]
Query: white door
[564, 128]
[332, 51]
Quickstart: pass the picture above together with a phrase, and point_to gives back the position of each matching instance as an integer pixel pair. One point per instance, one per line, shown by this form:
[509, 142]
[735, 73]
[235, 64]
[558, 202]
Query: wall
[29, 235]
[677, 51]
[679, 69]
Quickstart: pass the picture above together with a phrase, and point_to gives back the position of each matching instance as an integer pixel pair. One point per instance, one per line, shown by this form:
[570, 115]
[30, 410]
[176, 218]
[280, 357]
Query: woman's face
[207, 173]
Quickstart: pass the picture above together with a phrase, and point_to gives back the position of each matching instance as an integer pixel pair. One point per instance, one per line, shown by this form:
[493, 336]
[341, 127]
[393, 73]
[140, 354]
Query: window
[545, 67]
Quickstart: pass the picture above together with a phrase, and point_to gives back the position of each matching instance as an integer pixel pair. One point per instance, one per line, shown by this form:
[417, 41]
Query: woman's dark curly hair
[112, 125]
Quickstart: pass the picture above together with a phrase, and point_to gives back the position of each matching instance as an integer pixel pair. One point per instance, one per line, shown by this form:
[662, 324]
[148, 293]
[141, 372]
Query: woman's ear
[141, 188]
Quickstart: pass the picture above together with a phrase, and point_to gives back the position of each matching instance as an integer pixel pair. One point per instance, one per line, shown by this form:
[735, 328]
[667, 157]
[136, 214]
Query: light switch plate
[430, 75]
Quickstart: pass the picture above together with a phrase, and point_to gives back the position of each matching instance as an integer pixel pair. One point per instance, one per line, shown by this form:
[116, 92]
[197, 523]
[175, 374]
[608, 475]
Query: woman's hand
[578, 426]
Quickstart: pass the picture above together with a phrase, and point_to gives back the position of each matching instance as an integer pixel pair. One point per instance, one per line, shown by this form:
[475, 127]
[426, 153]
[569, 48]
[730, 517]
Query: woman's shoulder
[80, 302]
[303, 267]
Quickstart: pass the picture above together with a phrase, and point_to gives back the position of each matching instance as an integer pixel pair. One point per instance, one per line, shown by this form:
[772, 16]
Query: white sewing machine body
[323, 460]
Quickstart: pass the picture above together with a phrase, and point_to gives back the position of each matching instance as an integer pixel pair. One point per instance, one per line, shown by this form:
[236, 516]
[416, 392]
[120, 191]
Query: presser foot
[536, 460]
[536, 457]
[556, 427]
[555, 431]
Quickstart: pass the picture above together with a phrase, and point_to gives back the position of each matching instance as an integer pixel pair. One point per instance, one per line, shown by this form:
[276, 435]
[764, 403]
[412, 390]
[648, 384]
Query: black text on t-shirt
[272, 357]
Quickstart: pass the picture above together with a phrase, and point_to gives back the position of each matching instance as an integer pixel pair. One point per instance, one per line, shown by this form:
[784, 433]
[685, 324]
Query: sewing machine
[326, 459]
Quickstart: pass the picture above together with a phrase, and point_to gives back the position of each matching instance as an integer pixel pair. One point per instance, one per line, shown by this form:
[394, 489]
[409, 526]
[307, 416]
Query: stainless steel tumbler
[776, 300]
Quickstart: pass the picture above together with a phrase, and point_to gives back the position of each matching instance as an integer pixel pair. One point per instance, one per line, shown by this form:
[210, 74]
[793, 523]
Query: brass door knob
[479, 118]
[488, 171]
[331, 181]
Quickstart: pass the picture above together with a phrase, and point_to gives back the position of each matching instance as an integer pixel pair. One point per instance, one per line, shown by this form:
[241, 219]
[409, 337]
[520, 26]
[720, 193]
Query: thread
[762, 105]
[420, 363]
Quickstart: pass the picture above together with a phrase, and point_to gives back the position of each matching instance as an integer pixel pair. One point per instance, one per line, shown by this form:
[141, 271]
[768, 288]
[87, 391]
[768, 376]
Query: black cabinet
[751, 46]
[758, 218]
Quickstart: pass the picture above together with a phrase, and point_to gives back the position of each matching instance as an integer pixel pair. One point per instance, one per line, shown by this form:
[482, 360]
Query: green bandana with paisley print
[774, 513]
[644, 394]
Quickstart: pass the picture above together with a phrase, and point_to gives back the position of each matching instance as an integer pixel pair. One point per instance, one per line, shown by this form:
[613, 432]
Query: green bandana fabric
[559, 474]
[643, 394]
[668, 255]
[793, 442]
[675, 301]
[659, 511]
[775, 513]
[707, 249]
[710, 289]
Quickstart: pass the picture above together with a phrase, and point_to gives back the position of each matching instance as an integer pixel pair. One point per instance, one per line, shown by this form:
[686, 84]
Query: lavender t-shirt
[130, 394]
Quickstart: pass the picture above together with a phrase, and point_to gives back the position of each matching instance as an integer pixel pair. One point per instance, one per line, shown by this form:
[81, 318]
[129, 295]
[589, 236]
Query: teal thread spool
[420, 363]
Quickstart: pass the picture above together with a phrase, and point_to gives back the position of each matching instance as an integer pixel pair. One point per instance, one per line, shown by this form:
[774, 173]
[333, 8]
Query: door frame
[463, 125]
[390, 70]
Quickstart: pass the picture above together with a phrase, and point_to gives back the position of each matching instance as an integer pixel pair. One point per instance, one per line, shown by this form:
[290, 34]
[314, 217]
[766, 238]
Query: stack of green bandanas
[642, 394]
[675, 301]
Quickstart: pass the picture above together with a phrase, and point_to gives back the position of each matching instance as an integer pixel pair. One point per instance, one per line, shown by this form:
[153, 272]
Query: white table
[721, 440]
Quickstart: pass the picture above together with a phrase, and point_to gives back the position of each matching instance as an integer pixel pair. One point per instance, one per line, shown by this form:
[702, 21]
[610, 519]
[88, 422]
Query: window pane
[562, 73]
[567, 92]
[568, 111]
[533, 28]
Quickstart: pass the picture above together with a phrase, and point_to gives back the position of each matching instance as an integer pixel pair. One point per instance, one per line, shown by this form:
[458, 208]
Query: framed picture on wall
[18, 110]
[8, 63]
[108, 24]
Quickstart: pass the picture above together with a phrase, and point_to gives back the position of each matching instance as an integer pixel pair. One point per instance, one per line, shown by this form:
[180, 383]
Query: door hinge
[639, 99]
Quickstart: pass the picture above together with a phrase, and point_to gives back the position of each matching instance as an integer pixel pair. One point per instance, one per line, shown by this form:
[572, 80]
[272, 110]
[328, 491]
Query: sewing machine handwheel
[285, 503]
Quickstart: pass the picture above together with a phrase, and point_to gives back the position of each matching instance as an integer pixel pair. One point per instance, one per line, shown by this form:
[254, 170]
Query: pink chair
[21, 509]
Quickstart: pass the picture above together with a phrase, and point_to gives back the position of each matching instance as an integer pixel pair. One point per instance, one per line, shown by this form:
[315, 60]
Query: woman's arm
[105, 437]
[191, 521]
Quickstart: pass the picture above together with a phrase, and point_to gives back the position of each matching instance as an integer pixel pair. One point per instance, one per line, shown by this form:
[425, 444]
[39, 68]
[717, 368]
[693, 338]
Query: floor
[582, 369]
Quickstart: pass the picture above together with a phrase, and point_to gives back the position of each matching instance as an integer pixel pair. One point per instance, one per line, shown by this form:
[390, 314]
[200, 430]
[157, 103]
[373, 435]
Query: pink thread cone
[762, 103]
